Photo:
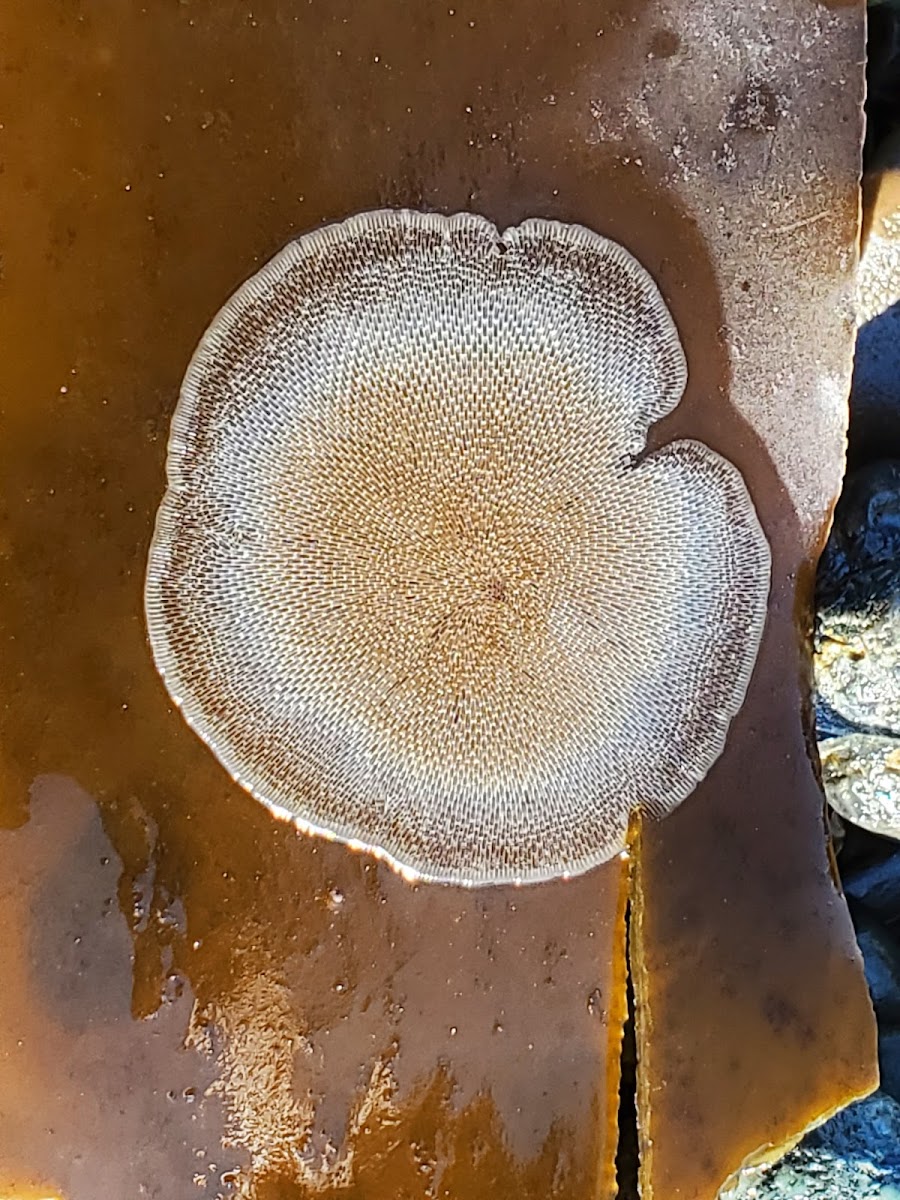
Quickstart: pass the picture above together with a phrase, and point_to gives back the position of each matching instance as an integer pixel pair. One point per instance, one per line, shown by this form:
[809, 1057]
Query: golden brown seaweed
[152, 159]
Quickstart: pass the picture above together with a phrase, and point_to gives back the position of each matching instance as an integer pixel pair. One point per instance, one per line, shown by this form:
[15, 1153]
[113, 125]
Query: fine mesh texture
[407, 581]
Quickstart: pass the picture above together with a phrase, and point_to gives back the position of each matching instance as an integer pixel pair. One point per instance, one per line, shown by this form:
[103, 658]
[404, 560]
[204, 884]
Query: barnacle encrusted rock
[412, 581]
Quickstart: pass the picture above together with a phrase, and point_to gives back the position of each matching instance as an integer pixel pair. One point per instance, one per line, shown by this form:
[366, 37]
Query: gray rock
[854, 1156]
[857, 652]
[861, 774]
[858, 600]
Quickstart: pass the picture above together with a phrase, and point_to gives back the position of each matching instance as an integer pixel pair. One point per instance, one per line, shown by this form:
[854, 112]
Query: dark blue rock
[877, 886]
[889, 1061]
[881, 955]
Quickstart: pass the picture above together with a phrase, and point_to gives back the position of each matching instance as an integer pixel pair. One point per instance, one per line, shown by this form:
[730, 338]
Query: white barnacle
[409, 581]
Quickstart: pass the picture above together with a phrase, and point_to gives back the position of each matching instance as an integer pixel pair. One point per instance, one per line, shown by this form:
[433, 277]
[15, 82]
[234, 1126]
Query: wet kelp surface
[199, 1000]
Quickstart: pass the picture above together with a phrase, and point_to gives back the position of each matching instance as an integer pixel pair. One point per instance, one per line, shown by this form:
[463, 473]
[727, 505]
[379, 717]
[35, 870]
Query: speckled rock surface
[854, 1156]
[858, 596]
[858, 651]
[861, 773]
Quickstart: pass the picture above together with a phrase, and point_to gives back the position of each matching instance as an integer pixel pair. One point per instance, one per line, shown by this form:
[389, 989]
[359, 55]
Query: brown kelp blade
[754, 1022]
[238, 1031]
[168, 949]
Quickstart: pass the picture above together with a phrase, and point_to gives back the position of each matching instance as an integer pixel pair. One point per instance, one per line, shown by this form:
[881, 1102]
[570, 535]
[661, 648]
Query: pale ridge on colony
[408, 582]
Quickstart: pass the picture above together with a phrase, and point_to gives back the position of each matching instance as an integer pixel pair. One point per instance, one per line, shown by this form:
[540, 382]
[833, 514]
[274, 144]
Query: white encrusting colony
[409, 581]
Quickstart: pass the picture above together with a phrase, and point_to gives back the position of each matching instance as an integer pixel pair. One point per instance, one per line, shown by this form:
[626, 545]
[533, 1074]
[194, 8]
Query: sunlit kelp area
[200, 997]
